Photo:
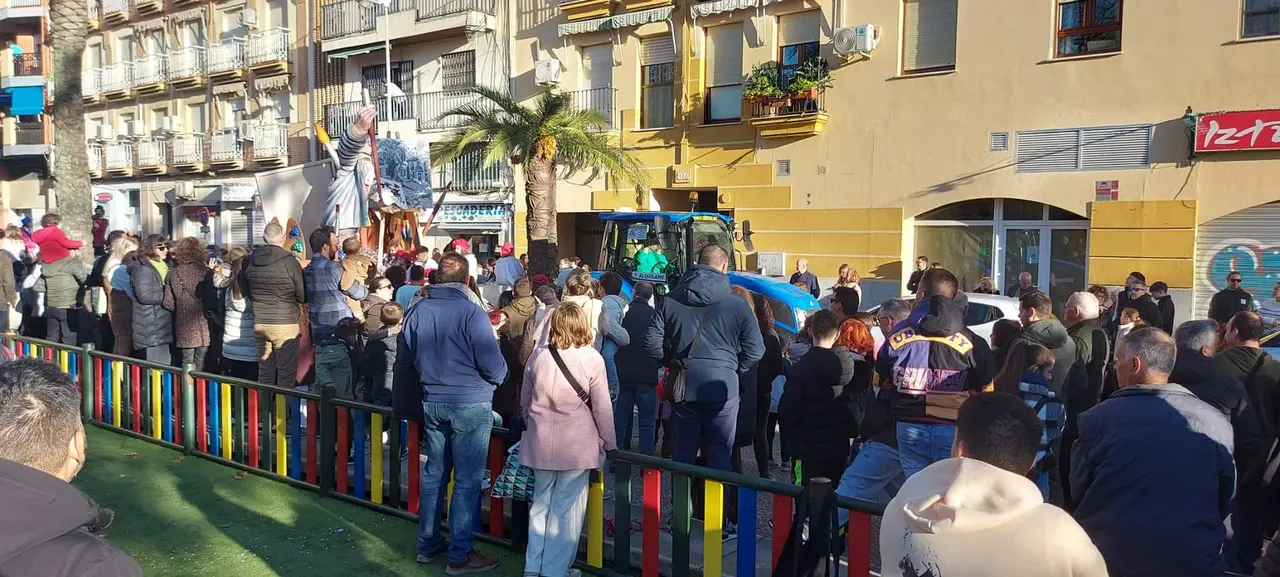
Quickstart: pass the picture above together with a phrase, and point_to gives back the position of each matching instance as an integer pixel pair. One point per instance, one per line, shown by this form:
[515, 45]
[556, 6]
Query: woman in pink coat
[569, 429]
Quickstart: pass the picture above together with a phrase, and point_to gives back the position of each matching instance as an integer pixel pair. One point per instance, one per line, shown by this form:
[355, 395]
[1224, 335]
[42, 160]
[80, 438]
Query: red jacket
[54, 244]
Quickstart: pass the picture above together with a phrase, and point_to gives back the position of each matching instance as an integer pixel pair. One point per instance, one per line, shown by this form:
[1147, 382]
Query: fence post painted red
[859, 544]
[415, 467]
[252, 415]
[313, 425]
[202, 429]
[344, 445]
[97, 389]
[782, 512]
[135, 396]
[652, 520]
[497, 456]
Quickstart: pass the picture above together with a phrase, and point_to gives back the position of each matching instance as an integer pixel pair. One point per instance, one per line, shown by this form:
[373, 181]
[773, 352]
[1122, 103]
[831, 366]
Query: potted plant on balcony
[811, 78]
[762, 86]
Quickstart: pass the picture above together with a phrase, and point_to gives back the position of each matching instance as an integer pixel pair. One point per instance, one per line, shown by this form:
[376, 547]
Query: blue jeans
[641, 398]
[922, 444]
[459, 431]
[608, 350]
[874, 475]
[706, 426]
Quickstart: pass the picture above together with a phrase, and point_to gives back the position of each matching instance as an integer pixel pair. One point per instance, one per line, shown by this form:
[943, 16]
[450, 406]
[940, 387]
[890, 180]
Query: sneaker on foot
[476, 562]
[436, 555]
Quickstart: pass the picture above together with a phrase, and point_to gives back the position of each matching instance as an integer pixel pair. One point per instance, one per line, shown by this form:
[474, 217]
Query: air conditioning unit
[853, 40]
[249, 18]
[184, 191]
[136, 128]
[247, 130]
[547, 72]
[105, 132]
[173, 124]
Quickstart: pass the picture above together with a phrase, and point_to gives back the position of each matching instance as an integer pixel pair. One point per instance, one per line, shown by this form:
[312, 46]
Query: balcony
[576, 10]
[22, 10]
[187, 66]
[91, 85]
[790, 118]
[600, 100]
[153, 155]
[146, 8]
[226, 60]
[188, 153]
[119, 158]
[422, 109]
[351, 24]
[225, 150]
[21, 70]
[95, 17]
[150, 74]
[115, 12]
[117, 81]
[271, 144]
[25, 136]
[468, 173]
[268, 51]
[95, 160]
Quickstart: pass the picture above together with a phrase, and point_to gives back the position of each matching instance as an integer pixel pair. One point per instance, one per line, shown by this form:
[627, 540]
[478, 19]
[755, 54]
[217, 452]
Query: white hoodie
[965, 518]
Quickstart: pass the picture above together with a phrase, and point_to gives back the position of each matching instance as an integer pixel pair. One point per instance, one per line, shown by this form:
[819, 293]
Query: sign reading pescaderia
[1242, 130]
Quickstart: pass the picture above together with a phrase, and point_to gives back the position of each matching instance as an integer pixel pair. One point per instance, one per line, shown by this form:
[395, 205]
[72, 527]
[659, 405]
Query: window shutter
[597, 65]
[1117, 147]
[1048, 150]
[724, 53]
[241, 226]
[799, 28]
[657, 50]
[929, 34]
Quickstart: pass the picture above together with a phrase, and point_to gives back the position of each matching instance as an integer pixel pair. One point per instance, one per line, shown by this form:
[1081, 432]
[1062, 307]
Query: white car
[984, 311]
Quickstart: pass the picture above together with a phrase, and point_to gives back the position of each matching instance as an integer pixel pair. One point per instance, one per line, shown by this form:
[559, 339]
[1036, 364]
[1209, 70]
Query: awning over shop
[614, 22]
[358, 50]
[721, 6]
[26, 100]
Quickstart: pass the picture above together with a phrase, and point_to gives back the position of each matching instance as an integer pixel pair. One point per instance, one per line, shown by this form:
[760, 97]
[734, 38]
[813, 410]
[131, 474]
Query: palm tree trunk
[540, 201]
[67, 32]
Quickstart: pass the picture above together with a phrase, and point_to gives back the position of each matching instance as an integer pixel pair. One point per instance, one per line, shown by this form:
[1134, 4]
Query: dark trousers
[705, 427]
[762, 444]
[831, 468]
[240, 369]
[61, 325]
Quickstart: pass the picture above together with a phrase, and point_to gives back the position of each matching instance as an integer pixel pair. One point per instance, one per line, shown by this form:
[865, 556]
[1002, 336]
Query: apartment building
[26, 129]
[432, 51]
[184, 101]
[1071, 139]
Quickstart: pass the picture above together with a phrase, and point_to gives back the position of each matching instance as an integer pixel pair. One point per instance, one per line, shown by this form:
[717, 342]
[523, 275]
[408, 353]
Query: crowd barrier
[315, 441]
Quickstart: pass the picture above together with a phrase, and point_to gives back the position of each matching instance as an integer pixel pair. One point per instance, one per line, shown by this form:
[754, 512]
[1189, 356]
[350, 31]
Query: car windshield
[707, 230]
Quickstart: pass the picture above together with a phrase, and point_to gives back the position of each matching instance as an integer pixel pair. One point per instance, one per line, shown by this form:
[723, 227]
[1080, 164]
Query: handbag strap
[573, 382]
[693, 345]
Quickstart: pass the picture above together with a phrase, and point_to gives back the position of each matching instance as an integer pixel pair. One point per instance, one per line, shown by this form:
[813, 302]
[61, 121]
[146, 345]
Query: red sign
[1106, 190]
[1247, 130]
[103, 197]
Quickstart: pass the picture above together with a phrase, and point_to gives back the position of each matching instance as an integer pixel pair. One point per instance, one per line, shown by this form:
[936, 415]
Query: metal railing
[152, 151]
[188, 149]
[25, 3]
[117, 77]
[271, 140]
[225, 146]
[269, 46]
[95, 156]
[187, 62]
[426, 107]
[468, 173]
[600, 100]
[94, 10]
[29, 132]
[347, 18]
[437, 8]
[151, 69]
[115, 6]
[226, 55]
[791, 107]
[119, 155]
[27, 65]
[91, 82]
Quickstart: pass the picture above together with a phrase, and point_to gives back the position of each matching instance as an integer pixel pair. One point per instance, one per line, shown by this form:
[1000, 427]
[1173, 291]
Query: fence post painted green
[86, 383]
[328, 436]
[188, 409]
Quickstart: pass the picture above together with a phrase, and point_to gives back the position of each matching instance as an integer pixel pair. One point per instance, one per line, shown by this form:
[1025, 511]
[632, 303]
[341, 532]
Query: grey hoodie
[1050, 334]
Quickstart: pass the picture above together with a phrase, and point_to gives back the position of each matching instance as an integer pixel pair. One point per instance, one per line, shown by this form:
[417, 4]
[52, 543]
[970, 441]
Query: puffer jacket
[273, 283]
[64, 283]
[238, 343]
[1050, 334]
[152, 324]
[188, 293]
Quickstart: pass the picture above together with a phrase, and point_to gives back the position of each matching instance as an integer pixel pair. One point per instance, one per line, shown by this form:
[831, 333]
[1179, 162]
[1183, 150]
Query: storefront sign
[1106, 190]
[477, 213]
[238, 192]
[103, 197]
[1245, 130]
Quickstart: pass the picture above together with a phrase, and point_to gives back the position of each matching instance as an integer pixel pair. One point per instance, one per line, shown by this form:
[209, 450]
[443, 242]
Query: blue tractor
[658, 247]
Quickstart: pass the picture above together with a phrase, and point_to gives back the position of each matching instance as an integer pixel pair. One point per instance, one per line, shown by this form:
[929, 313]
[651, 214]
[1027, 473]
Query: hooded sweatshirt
[1227, 302]
[933, 360]
[1262, 388]
[965, 518]
[518, 313]
[1051, 335]
[50, 529]
[273, 284]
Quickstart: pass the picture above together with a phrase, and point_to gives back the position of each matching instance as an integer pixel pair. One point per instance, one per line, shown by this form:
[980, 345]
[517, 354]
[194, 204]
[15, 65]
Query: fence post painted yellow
[63, 362]
[595, 520]
[224, 397]
[116, 368]
[712, 527]
[282, 447]
[375, 460]
[448, 493]
[157, 424]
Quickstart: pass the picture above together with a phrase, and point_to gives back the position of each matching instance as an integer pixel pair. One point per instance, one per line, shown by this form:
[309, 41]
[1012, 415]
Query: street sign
[103, 197]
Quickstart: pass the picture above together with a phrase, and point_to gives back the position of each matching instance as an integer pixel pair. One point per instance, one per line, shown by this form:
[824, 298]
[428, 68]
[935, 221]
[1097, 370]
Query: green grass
[190, 516]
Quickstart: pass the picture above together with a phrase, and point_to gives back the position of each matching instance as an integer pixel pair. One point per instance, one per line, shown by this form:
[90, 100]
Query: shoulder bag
[573, 382]
[676, 376]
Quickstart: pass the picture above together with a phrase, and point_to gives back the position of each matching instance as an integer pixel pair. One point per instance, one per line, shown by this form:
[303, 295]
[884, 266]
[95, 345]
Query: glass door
[1022, 253]
[1067, 257]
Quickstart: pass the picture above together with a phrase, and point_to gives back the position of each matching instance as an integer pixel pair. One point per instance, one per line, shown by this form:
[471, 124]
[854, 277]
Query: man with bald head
[1152, 471]
[806, 278]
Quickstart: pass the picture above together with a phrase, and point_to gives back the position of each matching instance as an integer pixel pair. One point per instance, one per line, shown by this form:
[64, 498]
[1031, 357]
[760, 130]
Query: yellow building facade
[1052, 137]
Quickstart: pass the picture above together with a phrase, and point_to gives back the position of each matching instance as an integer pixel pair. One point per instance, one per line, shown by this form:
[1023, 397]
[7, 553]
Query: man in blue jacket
[1152, 473]
[448, 342]
[710, 335]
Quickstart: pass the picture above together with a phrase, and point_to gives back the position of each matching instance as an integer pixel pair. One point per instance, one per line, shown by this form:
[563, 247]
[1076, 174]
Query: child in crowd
[376, 368]
[355, 269]
[54, 244]
[1027, 374]
[336, 359]
[1130, 319]
[1002, 333]
[815, 427]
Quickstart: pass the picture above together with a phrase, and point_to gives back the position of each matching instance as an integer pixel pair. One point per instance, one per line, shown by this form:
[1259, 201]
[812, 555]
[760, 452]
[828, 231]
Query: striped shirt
[326, 301]
[346, 202]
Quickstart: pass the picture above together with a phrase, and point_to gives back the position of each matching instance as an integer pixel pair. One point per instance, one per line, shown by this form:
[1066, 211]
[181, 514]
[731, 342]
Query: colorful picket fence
[315, 441]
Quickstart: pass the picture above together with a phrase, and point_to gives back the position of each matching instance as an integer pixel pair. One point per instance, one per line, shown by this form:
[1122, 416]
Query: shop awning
[26, 100]
[356, 51]
[721, 6]
[614, 22]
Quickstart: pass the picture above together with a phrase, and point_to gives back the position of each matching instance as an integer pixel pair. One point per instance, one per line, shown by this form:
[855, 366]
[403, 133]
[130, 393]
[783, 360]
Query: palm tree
[550, 138]
[67, 32]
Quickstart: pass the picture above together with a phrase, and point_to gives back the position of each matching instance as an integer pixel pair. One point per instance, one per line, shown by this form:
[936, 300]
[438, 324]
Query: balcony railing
[187, 62]
[271, 140]
[119, 155]
[29, 132]
[598, 99]
[94, 10]
[795, 107]
[426, 107]
[117, 77]
[225, 146]
[188, 149]
[95, 157]
[347, 18]
[469, 174]
[27, 65]
[269, 46]
[91, 82]
[151, 69]
[24, 3]
[436, 8]
[115, 6]
[152, 152]
[226, 55]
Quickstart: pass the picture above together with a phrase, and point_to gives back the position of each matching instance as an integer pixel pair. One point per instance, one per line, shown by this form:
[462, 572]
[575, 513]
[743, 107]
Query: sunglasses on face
[1233, 280]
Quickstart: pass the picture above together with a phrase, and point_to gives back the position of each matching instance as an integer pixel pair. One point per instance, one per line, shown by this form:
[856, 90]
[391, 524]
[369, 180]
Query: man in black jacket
[273, 284]
[48, 528]
[814, 424]
[1231, 300]
[1084, 381]
[1139, 299]
[637, 374]
[1164, 303]
[709, 334]
[1195, 369]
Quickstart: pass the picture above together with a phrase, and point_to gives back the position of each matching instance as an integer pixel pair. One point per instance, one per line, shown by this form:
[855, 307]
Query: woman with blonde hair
[12, 242]
[569, 420]
[119, 289]
[986, 286]
[848, 278]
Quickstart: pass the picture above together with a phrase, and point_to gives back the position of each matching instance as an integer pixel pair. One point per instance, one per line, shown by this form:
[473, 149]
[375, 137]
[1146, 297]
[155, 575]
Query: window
[657, 82]
[195, 118]
[1104, 148]
[374, 78]
[1261, 18]
[929, 35]
[797, 41]
[193, 33]
[1088, 26]
[724, 74]
[125, 43]
[458, 70]
[154, 43]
